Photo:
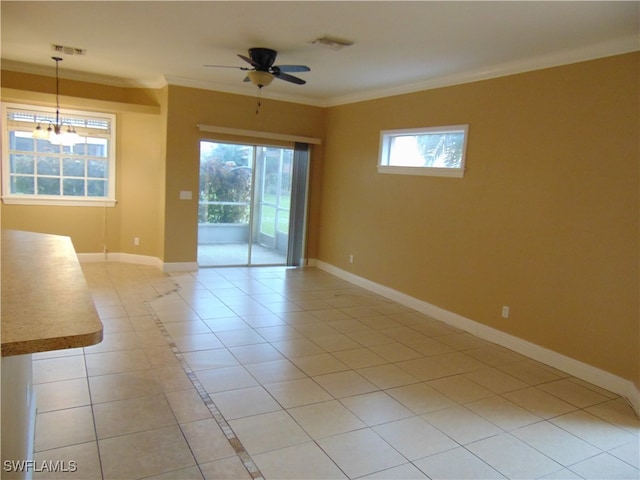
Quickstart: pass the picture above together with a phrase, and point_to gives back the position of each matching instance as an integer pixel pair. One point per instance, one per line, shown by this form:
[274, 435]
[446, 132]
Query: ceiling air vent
[67, 50]
[331, 43]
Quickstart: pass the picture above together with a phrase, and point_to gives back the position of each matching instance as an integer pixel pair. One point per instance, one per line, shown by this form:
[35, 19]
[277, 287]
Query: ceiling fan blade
[227, 66]
[293, 68]
[248, 60]
[289, 78]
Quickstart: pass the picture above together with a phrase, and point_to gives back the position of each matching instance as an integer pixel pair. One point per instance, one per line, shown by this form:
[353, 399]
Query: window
[437, 151]
[41, 172]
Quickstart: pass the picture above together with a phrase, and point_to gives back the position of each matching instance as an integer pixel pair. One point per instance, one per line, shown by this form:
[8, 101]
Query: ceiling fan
[263, 71]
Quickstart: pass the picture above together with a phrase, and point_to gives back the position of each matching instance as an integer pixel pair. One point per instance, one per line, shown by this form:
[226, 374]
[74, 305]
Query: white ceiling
[398, 46]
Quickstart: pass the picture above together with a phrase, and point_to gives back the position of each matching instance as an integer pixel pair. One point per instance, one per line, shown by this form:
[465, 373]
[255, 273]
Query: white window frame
[60, 200]
[386, 144]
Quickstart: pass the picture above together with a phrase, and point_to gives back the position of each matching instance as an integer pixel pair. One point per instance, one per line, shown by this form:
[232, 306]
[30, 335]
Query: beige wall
[544, 221]
[188, 107]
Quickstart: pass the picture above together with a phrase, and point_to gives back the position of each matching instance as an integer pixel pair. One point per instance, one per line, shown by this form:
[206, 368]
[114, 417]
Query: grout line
[234, 441]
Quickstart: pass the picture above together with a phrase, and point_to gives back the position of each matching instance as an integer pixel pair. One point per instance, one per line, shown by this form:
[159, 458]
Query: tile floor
[281, 373]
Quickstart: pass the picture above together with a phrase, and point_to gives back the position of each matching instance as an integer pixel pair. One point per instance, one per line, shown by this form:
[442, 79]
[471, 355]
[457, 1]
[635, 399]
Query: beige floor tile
[495, 355]
[573, 393]
[112, 342]
[619, 413]
[530, 371]
[594, 430]
[306, 461]
[63, 394]
[361, 452]
[205, 359]
[275, 371]
[188, 473]
[62, 428]
[259, 353]
[117, 325]
[187, 406]
[58, 368]
[244, 402]
[227, 378]
[402, 472]
[345, 384]
[268, 431]
[462, 341]
[294, 393]
[147, 453]
[161, 357]
[319, 364]
[116, 362]
[151, 338]
[540, 403]
[376, 407]
[460, 389]
[237, 338]
[230, 468]
[387, 376]
[325, 419]
[120, 386]
[371, 338]
[425, 368]
[421, 398]
[202, 341]
[297, 348]
[171, 378]
[414, 437]
[336, 343]
[561, 446]
[605, 466]
[629, 453]
[395, 352]
[183, 329]
[359, 358]
[461, 424]
[457, 464]
[142, 322]
[133, 415]
[79, 461]
[458, 362]
[495, 380]
[503, 413]
[428, 346]
[206, 440]
[512, 457]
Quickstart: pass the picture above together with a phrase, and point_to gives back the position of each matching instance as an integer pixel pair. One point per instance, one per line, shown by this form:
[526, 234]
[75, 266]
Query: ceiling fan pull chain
[258, 100]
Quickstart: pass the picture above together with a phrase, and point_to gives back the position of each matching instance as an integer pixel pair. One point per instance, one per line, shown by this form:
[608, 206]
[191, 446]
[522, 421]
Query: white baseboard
[576, 368]
[180, 267]
[139, 260]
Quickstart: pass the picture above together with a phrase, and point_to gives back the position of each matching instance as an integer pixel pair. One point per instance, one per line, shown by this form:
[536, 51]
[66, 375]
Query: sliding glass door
[244, 204]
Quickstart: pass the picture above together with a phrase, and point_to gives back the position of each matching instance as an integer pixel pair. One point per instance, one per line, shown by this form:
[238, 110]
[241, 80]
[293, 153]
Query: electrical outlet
[351, 258]
[136, 241]
[505, 311]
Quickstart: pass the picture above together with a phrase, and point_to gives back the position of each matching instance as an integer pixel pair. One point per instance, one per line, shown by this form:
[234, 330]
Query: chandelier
[54, 132]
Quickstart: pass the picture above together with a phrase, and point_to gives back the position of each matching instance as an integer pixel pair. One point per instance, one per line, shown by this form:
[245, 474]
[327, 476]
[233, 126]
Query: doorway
[245, 204]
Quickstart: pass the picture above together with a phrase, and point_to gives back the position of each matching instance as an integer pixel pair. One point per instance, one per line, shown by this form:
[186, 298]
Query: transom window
[52, 171]
[437, 151]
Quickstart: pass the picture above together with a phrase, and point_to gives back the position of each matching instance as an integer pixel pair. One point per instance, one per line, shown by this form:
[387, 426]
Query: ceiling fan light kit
[263, 71]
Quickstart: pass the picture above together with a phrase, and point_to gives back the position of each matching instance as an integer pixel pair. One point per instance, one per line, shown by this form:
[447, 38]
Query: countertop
[45, 301]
